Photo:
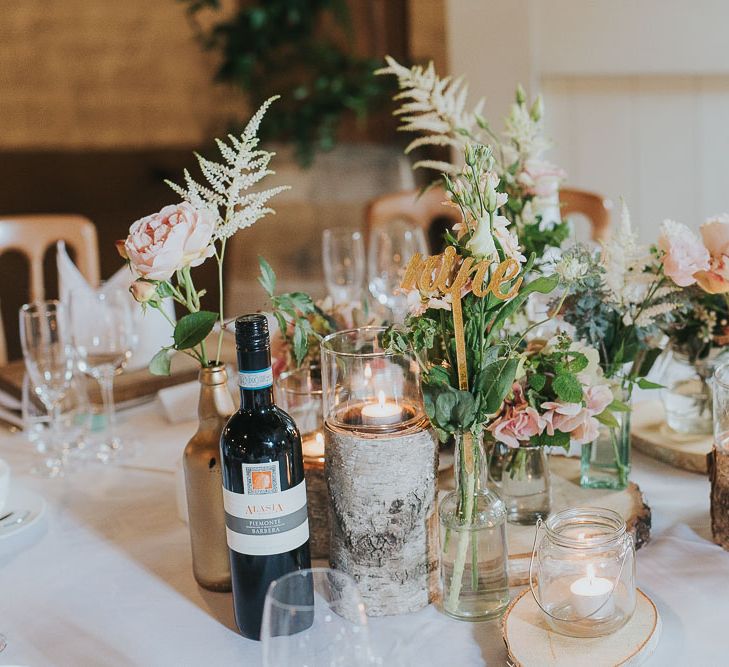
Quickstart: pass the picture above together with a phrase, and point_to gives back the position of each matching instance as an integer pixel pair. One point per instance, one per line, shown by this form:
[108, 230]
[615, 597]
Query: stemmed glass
[344, 264]
[315, 618]
[49, 358]
[103, 334]
[391, 247]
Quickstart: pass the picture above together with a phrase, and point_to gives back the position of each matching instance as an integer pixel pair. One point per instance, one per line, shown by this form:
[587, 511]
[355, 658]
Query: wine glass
[315, 618]
[103, 334]
[391, 247]
[48, 356]
[344, 264]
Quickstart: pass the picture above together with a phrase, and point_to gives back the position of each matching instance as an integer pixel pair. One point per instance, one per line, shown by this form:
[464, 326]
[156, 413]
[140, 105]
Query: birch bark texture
[718, 464]
[384, 525]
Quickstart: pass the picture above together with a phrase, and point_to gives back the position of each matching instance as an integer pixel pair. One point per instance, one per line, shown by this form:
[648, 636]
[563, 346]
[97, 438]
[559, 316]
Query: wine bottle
[264, 491]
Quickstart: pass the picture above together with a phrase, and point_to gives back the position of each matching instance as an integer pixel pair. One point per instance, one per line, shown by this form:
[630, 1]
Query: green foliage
[537, 240]
[193, 328]
[277, 46]
[568, 388]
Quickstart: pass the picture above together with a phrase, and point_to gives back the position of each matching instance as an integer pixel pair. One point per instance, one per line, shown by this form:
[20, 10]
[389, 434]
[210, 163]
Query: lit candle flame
[590, 573]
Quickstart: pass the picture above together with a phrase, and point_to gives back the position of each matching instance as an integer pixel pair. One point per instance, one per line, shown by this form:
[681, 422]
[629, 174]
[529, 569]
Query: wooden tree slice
[530, 642]
[719, 476]
[652, 436]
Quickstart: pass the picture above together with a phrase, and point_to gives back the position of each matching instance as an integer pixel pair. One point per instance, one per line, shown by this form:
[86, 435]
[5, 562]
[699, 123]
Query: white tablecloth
[106, 580]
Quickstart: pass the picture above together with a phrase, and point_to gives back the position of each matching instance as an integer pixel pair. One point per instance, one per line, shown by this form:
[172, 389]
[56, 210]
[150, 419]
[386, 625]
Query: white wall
[636, 92]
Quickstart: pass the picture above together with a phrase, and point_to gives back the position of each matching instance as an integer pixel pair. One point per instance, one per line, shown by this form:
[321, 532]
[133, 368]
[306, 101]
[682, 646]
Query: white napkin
[153, 330]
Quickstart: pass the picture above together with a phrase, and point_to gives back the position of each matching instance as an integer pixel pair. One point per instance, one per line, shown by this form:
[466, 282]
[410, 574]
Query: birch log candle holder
[299, 393]
[381, 472]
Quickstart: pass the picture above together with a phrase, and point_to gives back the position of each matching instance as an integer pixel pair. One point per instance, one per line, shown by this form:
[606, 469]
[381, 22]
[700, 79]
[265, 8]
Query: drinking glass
[344, 264]
[391, 247]
[315, 618]
[104, 336]
[48, 356]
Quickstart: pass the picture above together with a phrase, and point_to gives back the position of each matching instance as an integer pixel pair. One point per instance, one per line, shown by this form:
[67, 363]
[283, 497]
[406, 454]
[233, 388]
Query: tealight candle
[313, 446]
[590, 593]
[382, 412]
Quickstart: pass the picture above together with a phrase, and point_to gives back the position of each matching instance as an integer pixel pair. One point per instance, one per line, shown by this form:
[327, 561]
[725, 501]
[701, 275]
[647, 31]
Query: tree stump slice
[383, 519]
[530, 642]
[567, 492]
[718, 463]
[652, 436]
[317, 503]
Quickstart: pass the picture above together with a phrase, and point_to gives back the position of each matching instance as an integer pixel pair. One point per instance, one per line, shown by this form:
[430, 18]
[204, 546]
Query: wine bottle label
[261, 379]
[263, 520]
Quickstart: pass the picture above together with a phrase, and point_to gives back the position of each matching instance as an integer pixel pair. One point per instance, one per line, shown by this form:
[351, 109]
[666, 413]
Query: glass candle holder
[299, 393]
[584, 565]
[721, 407]
[367, 388]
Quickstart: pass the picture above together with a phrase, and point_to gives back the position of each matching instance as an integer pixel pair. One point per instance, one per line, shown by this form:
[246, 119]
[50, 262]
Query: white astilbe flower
[243, 167]
[525, 133]
[435, 108]
[650, 314]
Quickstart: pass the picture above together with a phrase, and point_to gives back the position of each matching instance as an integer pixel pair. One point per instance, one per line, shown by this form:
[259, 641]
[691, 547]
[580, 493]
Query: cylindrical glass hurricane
[299, 393]
[381, 471]
[584, 566]
[521, 478]
[474, 553]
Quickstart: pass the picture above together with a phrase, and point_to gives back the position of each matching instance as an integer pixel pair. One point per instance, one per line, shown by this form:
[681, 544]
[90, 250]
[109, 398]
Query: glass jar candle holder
[367, 388]
[299, 392]
[381, 470]
[584, 565]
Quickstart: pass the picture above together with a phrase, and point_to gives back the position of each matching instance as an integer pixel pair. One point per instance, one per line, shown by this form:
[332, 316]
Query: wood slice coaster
[652, 436]
[530, 642]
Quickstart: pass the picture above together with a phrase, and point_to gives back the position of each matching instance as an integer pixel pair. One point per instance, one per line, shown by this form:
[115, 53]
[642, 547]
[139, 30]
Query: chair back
[593, 206]
[426, 211]
[32, 235]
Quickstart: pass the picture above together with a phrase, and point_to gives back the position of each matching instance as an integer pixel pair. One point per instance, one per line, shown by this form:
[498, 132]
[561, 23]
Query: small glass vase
[687, 396]
[521, 478]
[605, 463]
[474, 552]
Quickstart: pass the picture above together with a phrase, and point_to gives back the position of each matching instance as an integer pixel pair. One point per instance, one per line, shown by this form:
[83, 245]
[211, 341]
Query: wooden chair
[429, 212]
[593, 206]
[32, 235]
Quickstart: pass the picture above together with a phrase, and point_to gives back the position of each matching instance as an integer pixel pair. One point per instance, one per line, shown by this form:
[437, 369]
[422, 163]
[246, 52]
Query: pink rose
[685, 255]
[519, 422]
[176, 237]
[143, 291]
[541, 178]
[574, 418]
[715, 233]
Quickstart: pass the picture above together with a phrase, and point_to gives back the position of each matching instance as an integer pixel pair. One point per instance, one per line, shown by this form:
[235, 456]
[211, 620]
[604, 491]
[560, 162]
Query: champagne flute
[391, 247]
[344, 264]
[315, 617]
[103, 334]
[48, 356]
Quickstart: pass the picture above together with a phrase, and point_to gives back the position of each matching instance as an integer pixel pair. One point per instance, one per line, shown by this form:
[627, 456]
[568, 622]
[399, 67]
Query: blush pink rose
[178, 236]
[715, 232]
[541, 178]
[519, 422]
[576, 419]
[685, 255]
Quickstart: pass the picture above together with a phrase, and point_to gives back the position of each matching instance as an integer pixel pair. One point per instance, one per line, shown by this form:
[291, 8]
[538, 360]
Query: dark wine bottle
[263, 482]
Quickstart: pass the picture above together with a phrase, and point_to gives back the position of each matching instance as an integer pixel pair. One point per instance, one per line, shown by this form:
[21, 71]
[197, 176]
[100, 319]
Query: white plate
[21, 499]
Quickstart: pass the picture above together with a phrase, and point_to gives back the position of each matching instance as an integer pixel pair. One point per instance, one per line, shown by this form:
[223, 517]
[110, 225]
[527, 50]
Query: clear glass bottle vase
[474, 552]
[605, 463]
[521, 478]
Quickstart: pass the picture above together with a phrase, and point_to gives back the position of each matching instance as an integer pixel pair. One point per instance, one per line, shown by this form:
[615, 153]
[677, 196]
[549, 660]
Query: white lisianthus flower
[481, 244]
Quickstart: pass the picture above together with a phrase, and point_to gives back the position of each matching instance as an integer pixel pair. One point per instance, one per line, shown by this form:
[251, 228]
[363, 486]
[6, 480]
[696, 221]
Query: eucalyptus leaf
[444, 405]
[193, 328]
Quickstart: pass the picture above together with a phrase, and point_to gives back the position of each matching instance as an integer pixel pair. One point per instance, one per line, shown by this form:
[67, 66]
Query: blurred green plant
[280, 46]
